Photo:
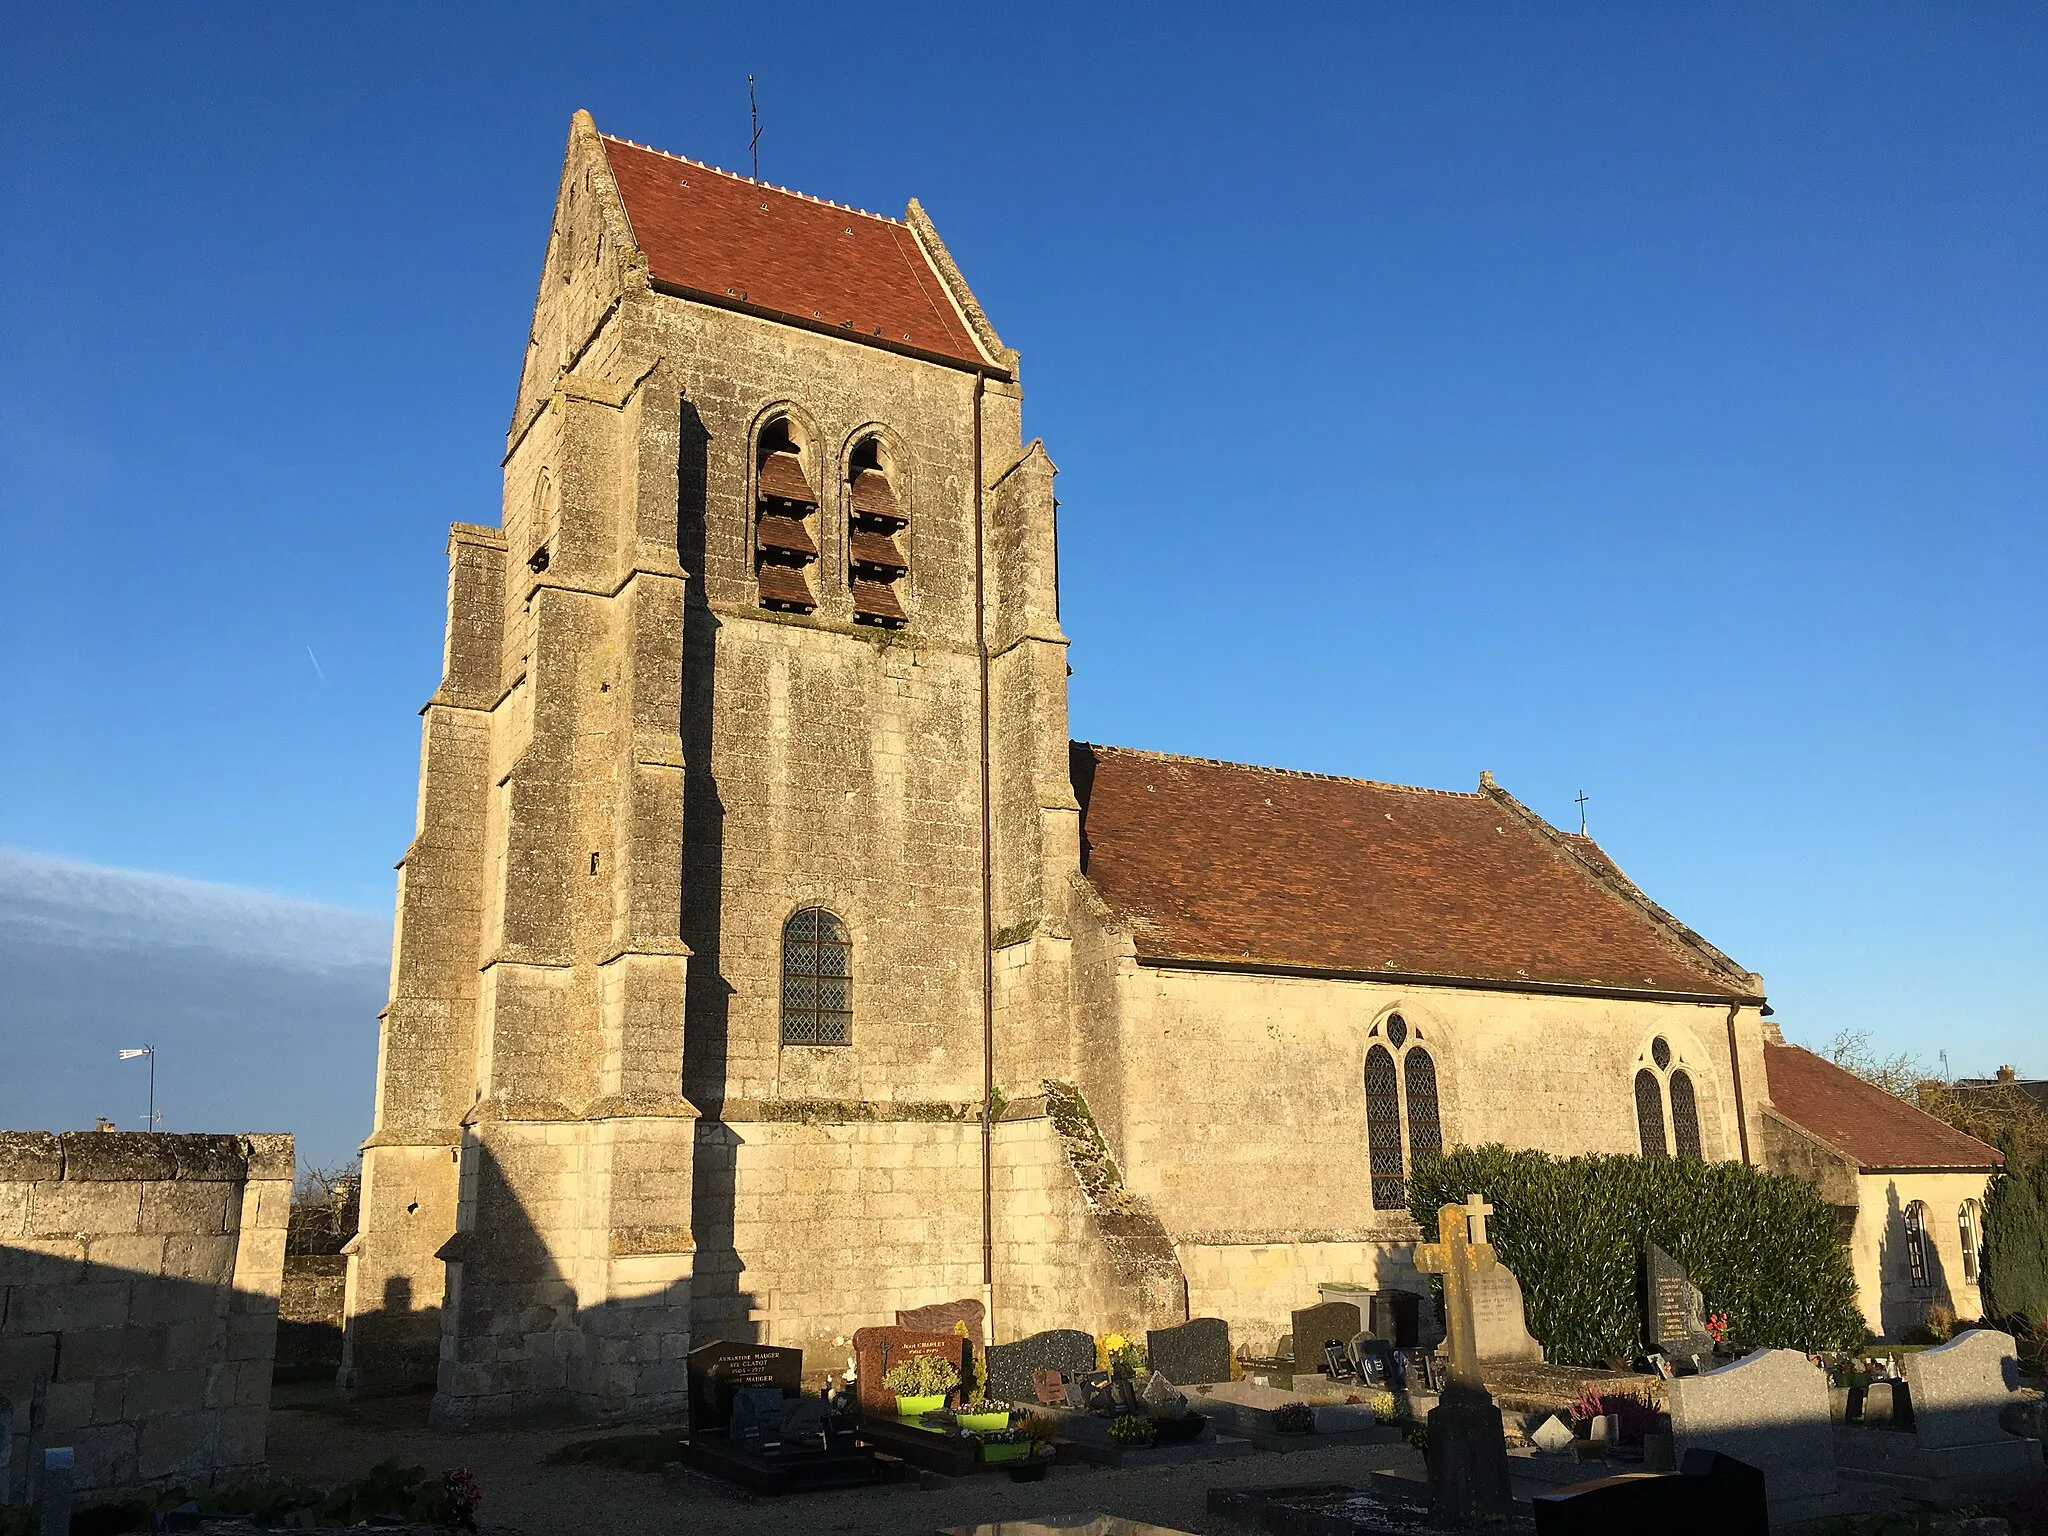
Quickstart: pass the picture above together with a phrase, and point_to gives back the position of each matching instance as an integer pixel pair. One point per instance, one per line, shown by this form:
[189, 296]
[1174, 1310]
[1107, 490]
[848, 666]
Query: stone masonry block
[27, 1156]
[92, 1353]
[208, 1260]
[153, 1393]
[106, 1456]
[117, 1157]
[42, 1261]
[13, 1210]
[175, 1444]
[189, 1210]
[28, 1357]
[83, 1206]
[242, 1433]
[67, 1405]
[126, 1257]
[66, 1308]
[165, 1301]
[195, 1344]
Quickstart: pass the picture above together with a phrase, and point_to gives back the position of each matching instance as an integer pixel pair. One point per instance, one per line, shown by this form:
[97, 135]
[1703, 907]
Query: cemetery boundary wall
[139, 1281]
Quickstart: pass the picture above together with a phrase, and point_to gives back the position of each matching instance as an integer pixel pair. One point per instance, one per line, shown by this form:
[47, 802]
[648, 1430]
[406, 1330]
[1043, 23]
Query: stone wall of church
[1891, 1301]
[1256, 1286]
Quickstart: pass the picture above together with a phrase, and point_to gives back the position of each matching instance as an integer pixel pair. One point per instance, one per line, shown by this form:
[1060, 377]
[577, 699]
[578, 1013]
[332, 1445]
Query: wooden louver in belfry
[783, 546]
[875, 548]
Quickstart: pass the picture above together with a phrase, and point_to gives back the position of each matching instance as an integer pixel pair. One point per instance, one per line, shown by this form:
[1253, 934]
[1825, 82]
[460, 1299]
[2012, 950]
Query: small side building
[1910, 1187]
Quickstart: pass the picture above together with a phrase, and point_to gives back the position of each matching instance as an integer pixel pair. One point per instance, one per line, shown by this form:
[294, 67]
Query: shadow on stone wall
[154, 1377]
[1903, 1306]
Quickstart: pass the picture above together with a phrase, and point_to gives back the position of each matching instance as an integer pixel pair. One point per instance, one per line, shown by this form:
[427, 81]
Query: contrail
[316, 664]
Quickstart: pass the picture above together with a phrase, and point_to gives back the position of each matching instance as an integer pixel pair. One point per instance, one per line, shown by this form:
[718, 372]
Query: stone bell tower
[749, 755]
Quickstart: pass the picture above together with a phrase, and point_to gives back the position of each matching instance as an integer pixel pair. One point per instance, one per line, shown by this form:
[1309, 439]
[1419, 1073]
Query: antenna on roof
[1582, 813]
[754, 144]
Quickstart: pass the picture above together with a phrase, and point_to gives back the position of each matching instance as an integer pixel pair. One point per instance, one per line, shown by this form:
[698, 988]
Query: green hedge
[1763, 1248]
[2016, 1243]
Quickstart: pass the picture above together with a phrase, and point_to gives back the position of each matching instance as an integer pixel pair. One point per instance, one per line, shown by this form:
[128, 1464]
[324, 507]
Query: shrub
[924, 1376]
[1762, 1248]
[1131, 1429]
[1294, 1419]
[1385, 1410]
[2016, 1245]
[1639, 1412]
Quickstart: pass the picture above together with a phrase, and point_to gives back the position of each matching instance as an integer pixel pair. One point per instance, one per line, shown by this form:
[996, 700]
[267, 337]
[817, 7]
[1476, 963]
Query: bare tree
[1899, 1075]
[324, 1202]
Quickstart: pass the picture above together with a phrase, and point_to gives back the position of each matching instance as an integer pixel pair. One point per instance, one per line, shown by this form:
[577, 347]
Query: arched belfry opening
[878, 536]
[785, 518]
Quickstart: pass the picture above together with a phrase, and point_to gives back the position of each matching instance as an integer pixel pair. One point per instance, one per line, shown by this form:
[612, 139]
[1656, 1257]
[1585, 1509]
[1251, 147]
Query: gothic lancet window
[1425, 1132]
[1970, 1224]
[1400, 1090]
[817, 979]
[1383, 1130]
[878, 534]
[1685, 1116]
[785, 508]
[1650, 1114]
[1917, 1269]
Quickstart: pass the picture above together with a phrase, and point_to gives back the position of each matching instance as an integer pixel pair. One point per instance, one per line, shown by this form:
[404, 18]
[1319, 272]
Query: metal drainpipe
[988, 954]
[1735, 1068]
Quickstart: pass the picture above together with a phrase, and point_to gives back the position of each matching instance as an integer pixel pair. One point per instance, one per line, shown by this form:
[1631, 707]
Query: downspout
[988, 954]
[1735, 1068]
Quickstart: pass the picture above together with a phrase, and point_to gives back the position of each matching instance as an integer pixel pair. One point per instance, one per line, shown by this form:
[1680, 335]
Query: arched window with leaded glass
[1383, 1130]
[1425, 1129]
[1650, 1114]
[1919, 1273]
[817, 979]
[1685, 1115]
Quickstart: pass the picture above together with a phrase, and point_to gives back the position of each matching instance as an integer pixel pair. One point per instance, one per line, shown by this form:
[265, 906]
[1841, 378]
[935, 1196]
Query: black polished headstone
[1674, 1313]
[1711, 1495]
[1194, 1354]
[756, 1414]
[719, 1370]
[1010, 1366]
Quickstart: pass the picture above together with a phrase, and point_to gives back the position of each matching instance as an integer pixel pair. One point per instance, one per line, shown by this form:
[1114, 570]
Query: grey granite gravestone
[1066, 1350]
[1333, 1322]
[1959, 1388]
[1674, 1312]
[1770, 1410]
[1192, 1354]
[1499, 1330]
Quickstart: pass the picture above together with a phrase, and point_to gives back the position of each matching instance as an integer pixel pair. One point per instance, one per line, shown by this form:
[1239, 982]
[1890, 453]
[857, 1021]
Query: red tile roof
[744, 244]
[1862, 1120]
[1230, 864]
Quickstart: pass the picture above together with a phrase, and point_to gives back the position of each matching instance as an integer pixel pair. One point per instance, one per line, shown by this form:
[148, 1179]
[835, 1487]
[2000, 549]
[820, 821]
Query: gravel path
[314, 1440]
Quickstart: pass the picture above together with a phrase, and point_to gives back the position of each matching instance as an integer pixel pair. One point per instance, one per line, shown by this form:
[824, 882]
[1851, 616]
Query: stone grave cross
[1460, 1252]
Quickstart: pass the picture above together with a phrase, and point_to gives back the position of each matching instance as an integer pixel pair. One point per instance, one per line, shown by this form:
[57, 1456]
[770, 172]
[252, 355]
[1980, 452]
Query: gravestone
[719, 1371]
[1335, 1322]
[941, 1317]
[1553, 1436]
[1396, 1316]
[54, 1495]
[876, 1349]
[1769, 1410]
[1466, 1452]
[1499, 1331]
[1959, 1388]
[1049, 1388]
[1192, 1354]
[756, 1414]
[1011, 1367]
[1713, 1496]
[1674, 1312]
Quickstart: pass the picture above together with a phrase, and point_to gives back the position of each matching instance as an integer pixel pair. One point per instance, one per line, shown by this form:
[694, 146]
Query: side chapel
[767, 957]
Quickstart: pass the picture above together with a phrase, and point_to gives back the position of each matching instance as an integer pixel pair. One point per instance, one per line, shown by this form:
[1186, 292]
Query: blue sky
[1638, 399]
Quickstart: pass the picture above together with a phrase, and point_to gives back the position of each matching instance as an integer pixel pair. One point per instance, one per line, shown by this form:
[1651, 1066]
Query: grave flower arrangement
[1717, 1329]
[1639, 1414]
[1294, 1419]
[1119, 1354]
[921, 1384]
[1132, 1430]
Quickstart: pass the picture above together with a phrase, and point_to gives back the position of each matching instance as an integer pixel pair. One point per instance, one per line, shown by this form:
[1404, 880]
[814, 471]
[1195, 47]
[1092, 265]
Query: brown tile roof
[1855, 1117]
[742, 243]
[1230, 864]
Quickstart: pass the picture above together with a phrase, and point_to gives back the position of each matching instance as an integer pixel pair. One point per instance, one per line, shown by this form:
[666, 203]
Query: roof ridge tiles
[767, 186]
[1287, 773]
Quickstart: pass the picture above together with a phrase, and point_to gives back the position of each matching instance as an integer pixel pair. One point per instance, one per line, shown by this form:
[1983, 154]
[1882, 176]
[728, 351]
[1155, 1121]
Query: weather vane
[754, 144]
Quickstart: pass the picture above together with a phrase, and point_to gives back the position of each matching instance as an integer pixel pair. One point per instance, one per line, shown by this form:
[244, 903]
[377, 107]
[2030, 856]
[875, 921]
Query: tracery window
[878, 532]
[1685, 1116]
[817, 979]
[1650, 1114]
[1400, 1088]
[1666, 1094]
[785, 508]
[1383, 1130]
[1917, 1269]
[1970, 1222]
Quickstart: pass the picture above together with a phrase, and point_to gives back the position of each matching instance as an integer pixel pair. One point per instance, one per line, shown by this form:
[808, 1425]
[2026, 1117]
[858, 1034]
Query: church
[769, 959]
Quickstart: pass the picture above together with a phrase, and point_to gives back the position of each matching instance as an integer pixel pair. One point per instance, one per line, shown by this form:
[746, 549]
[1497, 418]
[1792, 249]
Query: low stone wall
[139, 1281]
[309, 1312]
